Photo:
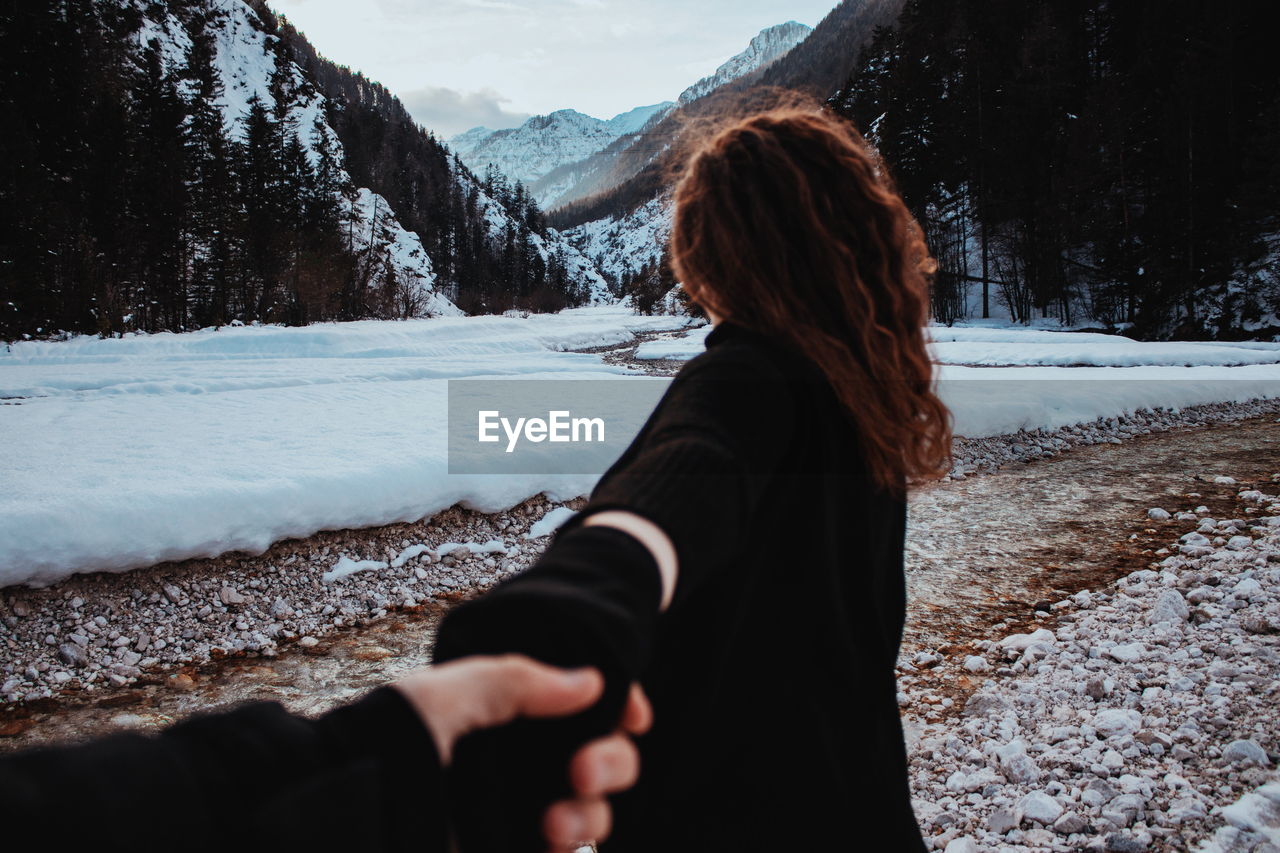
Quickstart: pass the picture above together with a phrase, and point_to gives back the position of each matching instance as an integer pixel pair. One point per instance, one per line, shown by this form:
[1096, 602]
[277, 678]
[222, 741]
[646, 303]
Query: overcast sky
[460, 63]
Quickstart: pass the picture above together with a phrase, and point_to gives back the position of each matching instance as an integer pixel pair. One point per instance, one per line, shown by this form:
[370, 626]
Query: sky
[457, 64]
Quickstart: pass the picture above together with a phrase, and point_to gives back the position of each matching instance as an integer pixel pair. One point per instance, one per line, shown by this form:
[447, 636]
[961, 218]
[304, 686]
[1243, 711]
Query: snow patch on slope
[768, 46]
[623, 245]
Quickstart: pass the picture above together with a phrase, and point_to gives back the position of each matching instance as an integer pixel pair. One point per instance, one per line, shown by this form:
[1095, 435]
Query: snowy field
[124, 453]
[1013, 347]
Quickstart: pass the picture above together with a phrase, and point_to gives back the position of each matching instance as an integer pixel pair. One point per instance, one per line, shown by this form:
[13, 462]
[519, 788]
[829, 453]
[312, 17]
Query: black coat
[772, 672]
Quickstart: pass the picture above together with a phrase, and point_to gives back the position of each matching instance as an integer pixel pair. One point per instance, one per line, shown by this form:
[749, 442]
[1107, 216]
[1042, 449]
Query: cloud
[449, 112]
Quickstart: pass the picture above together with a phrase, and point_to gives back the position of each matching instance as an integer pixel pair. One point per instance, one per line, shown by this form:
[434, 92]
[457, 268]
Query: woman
[743, 559]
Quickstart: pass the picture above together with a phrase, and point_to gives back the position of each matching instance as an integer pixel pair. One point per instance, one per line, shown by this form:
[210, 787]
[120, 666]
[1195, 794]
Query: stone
[1070, 823]
[974, 663]
[1015, 644]
[1128, 653]
[1002, 821]
[1040, 807]
[230, 596]
[172, 593]
[1245, 752]
[1170, 606]
[986, 704]
[73, 654]
[1247, 588]
[1096, 688]
[308, 642]
[1239, 543]
[961, 845]
[1114, 722]
[1158, 514]
[1117, 843]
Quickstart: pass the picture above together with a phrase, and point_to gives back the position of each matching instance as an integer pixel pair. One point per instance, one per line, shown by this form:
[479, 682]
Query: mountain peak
[767, 46]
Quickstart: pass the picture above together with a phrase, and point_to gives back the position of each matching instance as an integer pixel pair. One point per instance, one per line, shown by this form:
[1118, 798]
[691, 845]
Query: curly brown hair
[787, 223]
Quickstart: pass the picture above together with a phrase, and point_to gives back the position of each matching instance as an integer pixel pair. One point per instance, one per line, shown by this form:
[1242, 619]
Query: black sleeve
[363, 777]
[698, 469]
[706, 459]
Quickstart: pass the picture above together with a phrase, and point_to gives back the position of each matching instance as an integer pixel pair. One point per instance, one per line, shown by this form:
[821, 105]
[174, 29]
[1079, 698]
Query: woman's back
[772, 682]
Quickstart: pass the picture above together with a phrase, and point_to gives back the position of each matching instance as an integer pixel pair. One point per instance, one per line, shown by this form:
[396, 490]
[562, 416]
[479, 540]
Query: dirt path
[982, 553]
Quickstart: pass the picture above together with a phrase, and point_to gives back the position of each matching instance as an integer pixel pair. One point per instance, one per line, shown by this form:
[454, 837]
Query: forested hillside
[175, 165]
[1097, 162]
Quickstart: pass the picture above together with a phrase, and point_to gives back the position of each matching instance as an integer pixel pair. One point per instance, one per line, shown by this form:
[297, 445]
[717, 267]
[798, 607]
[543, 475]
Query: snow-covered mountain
[620, 246]
[566, 155]
[545, 143]
[767, 46]
[246, 57]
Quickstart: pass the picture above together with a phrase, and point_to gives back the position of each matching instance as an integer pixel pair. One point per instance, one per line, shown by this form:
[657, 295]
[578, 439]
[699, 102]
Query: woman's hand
[479, 692]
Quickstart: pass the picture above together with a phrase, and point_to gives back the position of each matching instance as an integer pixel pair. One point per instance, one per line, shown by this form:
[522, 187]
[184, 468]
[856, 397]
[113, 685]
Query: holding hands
[470, 694]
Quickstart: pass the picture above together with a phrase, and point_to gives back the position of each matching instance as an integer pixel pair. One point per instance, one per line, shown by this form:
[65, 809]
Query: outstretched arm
[367, 776]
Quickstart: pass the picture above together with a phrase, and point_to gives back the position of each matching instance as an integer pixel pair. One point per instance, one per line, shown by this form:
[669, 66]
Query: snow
[128, 452]
[549, 523]
[545, 143]
[1256, 812]
[1002, 346]
[347, 566]
[493, 546]
[674, 348]
[622, 245]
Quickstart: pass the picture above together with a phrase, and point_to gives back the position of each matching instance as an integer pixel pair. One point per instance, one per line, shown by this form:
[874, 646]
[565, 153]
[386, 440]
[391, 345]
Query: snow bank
[124, 453]
[674, 348]
[989, 401]
[1012, 347]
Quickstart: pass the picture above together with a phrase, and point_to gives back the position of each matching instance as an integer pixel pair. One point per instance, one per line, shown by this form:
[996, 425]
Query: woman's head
[787, 224]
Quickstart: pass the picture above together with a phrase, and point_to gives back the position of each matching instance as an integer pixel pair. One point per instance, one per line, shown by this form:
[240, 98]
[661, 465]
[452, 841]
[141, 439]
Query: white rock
[961, 845]
[1158, 514]
[1114, 722]
[1019, 643]
[1169, 607]
[1239, 543]
[1129, 653]
[974, 663]
[1247, 588]
[1040, 807]
[1246, 751]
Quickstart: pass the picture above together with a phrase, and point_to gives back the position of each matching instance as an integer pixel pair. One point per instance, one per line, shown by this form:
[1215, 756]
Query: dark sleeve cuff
[384, 730]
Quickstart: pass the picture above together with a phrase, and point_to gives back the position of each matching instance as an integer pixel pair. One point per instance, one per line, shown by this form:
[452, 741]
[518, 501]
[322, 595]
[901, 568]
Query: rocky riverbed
[1139, 716]
[314, 622]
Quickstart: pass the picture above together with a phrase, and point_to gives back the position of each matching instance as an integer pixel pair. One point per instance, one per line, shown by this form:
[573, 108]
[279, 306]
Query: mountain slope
[544, 143]
[625, 224]
[233, 175]
[627, 155]
[769, 45]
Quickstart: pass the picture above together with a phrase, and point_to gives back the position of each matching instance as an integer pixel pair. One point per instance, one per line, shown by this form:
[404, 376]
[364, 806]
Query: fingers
[531, 689]
[605, 766]
[637, 716]
[569, 823]
[473, 693]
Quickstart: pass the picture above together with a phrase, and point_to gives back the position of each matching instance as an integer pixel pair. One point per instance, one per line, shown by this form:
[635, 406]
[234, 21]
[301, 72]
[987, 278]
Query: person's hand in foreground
[480, 692]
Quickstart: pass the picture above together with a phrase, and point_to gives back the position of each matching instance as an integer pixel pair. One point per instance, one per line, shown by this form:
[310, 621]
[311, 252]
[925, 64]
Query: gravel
[1143, 718]
[110, 630]
[983, 455]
